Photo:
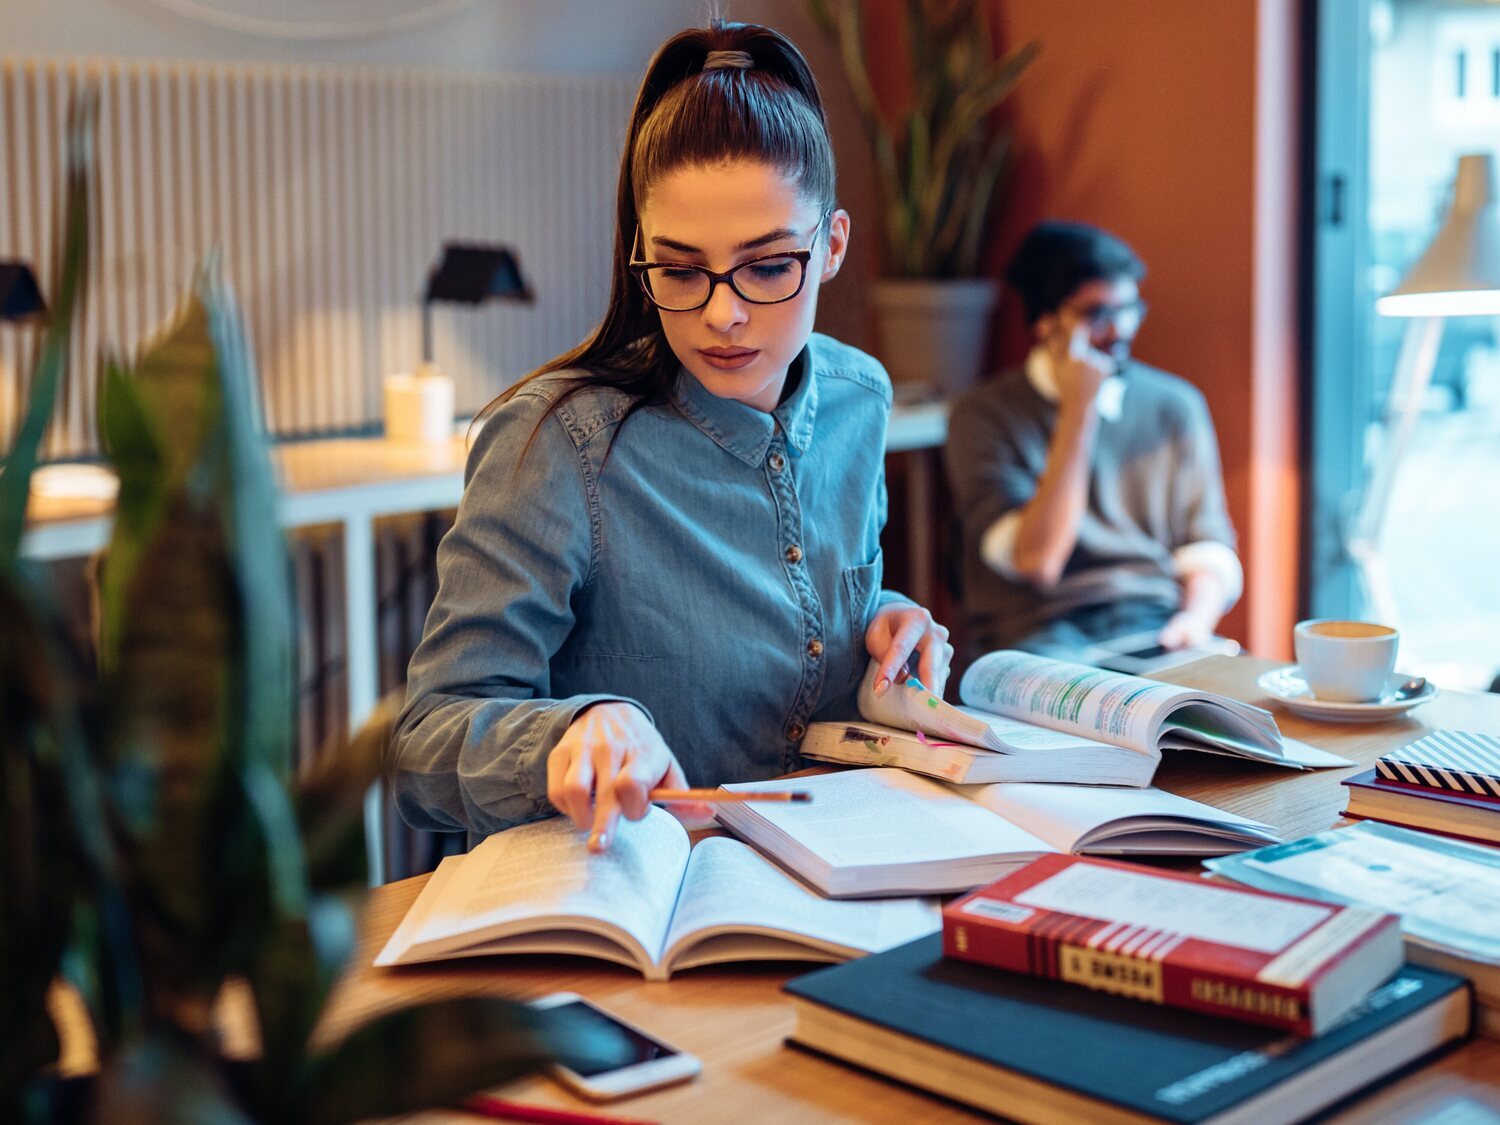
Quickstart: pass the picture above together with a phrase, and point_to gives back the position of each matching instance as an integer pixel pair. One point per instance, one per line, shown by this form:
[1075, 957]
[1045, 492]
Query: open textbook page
[737, 907]
[887, 831]
[537, 888]
[911, 728]
[1130, 710]
[1084, 818]
[650, 902]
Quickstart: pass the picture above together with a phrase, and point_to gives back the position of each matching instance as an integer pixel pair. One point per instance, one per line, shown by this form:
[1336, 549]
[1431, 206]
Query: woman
[667, 559]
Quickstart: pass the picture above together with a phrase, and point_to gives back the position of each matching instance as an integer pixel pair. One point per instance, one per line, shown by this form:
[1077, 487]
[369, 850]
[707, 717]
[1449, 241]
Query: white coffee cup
[1345, 661]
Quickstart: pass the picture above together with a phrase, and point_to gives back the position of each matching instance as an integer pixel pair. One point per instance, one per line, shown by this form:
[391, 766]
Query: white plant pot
[932, 333]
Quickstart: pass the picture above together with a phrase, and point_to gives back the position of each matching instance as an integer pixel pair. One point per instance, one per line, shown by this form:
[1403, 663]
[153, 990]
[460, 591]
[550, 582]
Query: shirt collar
[744, 431]
[1043, 379]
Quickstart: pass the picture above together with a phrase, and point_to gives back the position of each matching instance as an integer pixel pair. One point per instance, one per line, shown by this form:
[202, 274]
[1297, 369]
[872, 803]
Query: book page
[729, 886]
[868, 817]
[1064, 815]
[909, 706]
[1091, 702]
[543, 871]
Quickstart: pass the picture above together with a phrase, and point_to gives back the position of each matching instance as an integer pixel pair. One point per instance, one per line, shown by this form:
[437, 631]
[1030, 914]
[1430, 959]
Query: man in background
[1088, 483]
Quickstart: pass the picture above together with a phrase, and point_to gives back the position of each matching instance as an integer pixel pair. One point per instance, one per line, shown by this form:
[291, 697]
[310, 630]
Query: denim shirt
[718, 570]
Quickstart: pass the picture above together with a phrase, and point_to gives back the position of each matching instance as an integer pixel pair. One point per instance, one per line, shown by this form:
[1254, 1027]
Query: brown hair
[684, 115]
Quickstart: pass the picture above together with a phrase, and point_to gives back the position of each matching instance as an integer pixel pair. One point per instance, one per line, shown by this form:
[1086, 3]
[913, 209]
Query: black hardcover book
[1042, 1050]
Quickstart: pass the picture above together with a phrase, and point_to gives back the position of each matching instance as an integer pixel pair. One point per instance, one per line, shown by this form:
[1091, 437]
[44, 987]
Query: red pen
[502, 1110]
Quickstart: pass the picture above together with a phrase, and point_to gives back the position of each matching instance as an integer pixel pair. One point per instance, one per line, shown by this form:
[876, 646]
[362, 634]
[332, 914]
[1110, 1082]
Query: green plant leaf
[291, 974]
[331, 800]
[164, 1081]
[438, 1054]
[52, 363]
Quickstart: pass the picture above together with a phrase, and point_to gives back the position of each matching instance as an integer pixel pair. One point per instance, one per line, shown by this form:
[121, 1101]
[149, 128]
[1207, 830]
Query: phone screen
[1150, 653]
[643, 1047]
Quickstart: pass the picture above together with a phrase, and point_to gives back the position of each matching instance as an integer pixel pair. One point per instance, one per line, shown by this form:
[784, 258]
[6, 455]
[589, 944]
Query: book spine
[1137, 965]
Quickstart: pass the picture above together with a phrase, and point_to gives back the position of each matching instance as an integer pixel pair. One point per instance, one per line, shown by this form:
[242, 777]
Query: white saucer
[1287, 686]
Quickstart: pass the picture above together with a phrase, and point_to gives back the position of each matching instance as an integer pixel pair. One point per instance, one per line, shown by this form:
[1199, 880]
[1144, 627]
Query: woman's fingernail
[882, 686]
[596, 842]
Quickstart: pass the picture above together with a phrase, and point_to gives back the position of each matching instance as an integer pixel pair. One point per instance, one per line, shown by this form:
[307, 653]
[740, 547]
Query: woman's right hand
[606, 763]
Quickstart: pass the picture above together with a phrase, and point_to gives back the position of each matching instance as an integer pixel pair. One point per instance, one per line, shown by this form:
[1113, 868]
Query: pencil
[502, 1110]
[719, 796]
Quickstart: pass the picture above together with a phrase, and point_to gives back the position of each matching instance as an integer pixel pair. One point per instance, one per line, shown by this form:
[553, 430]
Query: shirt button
[795, 732]
[794, 554]
[777, 462]
[815, 648]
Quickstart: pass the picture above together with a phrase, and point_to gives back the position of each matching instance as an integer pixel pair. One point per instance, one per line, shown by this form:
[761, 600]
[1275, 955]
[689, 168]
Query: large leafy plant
[156, 844]
[941, 163]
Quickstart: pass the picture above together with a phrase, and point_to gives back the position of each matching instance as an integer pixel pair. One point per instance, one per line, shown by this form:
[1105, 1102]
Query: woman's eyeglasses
[683, 287]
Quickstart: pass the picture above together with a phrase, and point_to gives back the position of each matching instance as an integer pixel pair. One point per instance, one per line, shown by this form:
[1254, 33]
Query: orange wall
[1173, 124]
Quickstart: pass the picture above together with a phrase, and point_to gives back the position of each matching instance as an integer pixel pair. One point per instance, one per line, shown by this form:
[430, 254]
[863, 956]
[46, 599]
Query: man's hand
[606, 763]
[897, 632]
[1079, 368]
[1187, 629]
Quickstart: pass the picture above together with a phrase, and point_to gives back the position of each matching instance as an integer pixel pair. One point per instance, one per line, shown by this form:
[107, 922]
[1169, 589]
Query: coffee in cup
[1345, 661]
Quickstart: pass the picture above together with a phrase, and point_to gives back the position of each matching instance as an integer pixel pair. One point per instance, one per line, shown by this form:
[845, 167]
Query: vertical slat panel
[328, 192]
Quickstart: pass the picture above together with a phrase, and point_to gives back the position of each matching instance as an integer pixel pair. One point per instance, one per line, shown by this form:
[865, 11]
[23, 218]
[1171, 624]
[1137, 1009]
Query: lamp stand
[1409, 384]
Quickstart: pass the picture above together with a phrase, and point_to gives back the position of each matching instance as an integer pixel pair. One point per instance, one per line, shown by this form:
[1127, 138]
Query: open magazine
[1092, 703]
[652, 902]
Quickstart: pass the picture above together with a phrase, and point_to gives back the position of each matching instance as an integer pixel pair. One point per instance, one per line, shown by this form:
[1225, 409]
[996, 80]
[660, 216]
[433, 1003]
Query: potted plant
[155, 845]
[940, 168]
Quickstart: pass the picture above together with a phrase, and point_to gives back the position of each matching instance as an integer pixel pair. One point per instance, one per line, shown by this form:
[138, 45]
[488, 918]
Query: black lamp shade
[20, 296]
[470, 274]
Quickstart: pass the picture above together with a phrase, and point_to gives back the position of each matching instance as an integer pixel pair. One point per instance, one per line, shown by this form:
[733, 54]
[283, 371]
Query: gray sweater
[1154, 486]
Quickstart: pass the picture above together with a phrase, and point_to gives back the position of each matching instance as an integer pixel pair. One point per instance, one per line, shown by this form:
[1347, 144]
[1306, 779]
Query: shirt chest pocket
[861, 588]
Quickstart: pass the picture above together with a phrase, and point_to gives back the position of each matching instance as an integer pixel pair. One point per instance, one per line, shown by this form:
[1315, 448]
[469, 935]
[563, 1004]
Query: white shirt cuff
[998, 544]
[1217, 559]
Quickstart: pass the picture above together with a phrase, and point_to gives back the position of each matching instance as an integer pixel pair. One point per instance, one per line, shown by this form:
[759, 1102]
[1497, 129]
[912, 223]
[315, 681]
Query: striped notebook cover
[1447, 759]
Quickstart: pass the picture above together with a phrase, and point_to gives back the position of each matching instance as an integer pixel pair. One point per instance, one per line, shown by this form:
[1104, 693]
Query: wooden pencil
[719, 796]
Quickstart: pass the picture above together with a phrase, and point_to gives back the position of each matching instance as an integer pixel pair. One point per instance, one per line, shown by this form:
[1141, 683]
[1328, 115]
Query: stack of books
[1447, 782]
[1004, 1012]
[1036, 1050]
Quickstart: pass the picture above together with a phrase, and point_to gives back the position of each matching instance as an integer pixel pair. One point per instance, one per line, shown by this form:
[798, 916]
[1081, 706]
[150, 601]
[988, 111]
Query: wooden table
[736, 1019]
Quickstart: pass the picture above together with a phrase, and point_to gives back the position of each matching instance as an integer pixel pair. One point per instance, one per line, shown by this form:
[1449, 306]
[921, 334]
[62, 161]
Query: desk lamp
[419, 407]
[1457, 275]
[20, 296]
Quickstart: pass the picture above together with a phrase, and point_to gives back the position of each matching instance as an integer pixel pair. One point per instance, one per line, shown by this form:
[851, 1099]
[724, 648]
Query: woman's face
[720, 216]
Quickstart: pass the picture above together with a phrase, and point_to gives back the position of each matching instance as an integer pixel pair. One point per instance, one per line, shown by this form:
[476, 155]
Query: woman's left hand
[901, 630]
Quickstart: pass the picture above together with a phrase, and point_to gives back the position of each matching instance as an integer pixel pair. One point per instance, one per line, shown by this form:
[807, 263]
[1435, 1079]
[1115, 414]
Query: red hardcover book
[1173, 939]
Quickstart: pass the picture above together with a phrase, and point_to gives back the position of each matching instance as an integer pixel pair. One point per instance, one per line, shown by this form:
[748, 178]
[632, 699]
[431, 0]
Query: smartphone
[654, 1063]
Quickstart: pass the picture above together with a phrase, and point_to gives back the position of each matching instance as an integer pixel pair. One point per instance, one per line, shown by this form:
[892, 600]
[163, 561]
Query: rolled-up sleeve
[1204, 538]
[471, 745]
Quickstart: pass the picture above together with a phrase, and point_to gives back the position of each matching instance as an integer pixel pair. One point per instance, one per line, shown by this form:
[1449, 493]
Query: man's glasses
[683, 287]
[1125, 318]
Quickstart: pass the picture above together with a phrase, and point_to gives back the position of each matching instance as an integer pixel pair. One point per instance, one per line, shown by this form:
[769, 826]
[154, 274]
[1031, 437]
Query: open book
[1006, 750]
[889, 832]
[652, 901]
[1091, 703]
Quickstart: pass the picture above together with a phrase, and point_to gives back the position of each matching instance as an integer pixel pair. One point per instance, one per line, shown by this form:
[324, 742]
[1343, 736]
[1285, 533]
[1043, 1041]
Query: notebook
[1038, 1050]
[653, 902]
[1462, 761]
[889, 832]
